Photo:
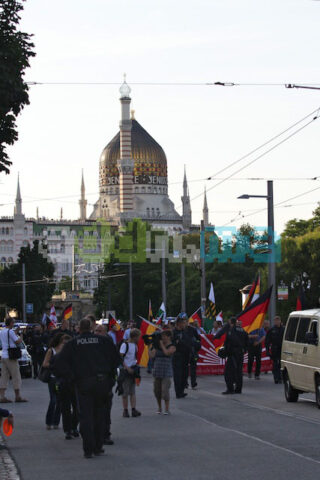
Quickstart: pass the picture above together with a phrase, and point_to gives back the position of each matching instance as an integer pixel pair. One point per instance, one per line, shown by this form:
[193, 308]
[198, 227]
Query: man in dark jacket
[91, 361]
[236, 345]
[182, 340]
[274, 340]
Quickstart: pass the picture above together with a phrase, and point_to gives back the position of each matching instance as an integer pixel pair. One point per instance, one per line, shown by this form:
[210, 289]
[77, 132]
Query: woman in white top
[9, 368]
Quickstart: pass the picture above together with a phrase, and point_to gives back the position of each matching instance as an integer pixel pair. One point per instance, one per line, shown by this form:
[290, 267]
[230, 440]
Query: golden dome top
[149, 157]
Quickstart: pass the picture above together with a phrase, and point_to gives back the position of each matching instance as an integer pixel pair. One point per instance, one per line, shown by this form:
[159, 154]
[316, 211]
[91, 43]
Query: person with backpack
[128, 351]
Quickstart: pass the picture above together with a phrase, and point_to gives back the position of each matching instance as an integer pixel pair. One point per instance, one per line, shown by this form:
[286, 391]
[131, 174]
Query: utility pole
[271, 248]
[183, 286]
[130, 292]
[203, 268]
[72, 270]
[24, 318]
[163, 274]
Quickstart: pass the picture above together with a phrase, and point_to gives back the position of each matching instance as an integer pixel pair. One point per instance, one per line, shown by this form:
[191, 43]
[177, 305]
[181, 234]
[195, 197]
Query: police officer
[236, 344]
[182, 340]
[91, 360]
[273, 346]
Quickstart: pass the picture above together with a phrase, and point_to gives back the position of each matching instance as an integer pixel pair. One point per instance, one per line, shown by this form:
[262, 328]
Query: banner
[210, 364]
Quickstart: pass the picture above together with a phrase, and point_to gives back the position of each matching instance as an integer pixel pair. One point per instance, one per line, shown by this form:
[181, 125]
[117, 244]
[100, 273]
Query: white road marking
[252, 437]
[270, 409]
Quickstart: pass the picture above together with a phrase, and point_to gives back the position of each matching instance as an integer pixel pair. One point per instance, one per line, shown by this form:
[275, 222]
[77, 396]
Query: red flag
[301, 299]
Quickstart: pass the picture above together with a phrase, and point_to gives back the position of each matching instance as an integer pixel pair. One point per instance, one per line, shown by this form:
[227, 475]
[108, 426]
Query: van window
[291, 329]
[314, 328]
[302, 329]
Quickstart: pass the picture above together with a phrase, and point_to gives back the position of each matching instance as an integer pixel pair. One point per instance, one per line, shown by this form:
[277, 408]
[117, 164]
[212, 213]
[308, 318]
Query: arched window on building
[10, 260]
[25, 231]
[3, 262]
[25, 243]
[10, 246]
[3, 246]
[158, 212]
[148, 212]
[152, 212]
[7, 230]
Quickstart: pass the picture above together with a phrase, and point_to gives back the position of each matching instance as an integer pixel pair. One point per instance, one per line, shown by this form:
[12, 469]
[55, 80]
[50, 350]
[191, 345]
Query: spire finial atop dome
[125, 89]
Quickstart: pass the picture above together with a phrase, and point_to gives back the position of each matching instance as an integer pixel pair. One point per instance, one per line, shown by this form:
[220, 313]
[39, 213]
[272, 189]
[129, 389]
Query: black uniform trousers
[254, 352]
[233, 372]
[276, 368]
[107, 432]
[93, 395]
[193, 370]
[69, 407]
[180, 365]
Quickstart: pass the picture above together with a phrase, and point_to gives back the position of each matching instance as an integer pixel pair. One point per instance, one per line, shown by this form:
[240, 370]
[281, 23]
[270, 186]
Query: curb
[8, 468]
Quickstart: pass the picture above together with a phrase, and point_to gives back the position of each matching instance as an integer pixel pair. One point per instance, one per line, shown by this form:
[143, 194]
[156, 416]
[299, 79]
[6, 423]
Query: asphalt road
[253, 435]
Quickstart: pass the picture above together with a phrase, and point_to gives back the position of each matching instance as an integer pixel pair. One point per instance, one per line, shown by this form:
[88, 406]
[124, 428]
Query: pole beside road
[271, 254]
[202, 268]
[24, 318]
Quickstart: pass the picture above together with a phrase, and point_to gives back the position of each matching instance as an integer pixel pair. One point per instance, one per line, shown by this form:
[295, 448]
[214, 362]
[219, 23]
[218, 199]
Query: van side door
[289, 348]
[302, 367]
[311, 356]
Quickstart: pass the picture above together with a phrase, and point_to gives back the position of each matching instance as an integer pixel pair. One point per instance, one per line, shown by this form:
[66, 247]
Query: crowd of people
[82, 365]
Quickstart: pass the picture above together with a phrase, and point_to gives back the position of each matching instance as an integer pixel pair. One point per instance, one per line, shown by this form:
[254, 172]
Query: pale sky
[65, 128]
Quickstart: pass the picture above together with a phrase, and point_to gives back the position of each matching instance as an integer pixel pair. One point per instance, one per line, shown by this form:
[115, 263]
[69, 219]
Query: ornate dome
[149, 157]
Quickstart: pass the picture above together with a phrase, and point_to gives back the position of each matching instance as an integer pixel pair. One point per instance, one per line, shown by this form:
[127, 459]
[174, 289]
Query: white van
[300, 355]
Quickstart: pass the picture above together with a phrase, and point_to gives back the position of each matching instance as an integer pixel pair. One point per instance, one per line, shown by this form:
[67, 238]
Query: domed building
[133, 176]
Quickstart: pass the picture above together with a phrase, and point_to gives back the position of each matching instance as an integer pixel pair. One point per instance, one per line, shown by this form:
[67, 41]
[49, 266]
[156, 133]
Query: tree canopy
[37, 267]
[16, 49]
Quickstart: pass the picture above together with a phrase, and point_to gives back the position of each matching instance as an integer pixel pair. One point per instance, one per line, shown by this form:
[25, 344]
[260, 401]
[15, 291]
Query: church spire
[205, 210]
[18, 204]
[83, 201]
[186, 206]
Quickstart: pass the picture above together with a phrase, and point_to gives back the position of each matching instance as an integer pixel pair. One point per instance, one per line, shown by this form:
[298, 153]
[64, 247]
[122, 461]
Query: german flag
[67, 312]
[254, 293]
[146, 328]
[252, 317]
[196, 316]
[301, 300]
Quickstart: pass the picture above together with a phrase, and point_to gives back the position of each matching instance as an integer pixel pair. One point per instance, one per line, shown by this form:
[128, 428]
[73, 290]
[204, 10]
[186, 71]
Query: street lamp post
[271, 249]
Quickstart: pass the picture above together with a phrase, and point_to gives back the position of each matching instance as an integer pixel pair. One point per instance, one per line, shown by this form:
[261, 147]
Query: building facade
[133, 183]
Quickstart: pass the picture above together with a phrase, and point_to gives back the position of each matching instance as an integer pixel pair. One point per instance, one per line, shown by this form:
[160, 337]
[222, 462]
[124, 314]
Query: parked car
[300, 355]
[25, 361]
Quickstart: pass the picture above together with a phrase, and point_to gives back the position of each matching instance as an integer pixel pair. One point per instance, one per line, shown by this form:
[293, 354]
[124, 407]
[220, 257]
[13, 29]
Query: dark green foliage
[37, 268]
[15, 51]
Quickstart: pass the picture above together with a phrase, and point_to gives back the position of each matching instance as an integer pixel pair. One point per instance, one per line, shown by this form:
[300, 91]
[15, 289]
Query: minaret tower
[125, 163]
[18, 204]
[83, 201]
[186, 207]
[205, 210]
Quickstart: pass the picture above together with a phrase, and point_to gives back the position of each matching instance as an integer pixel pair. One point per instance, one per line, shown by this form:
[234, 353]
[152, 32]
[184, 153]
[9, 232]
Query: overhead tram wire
[257, 158]
[316, 111]
[279, 204]
[173, 84]
[211, 177]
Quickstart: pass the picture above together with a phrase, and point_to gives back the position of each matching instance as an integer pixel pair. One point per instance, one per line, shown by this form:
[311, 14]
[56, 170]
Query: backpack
[120, 345]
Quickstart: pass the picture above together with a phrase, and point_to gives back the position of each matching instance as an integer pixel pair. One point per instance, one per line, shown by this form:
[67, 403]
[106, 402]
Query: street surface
[253, 435]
